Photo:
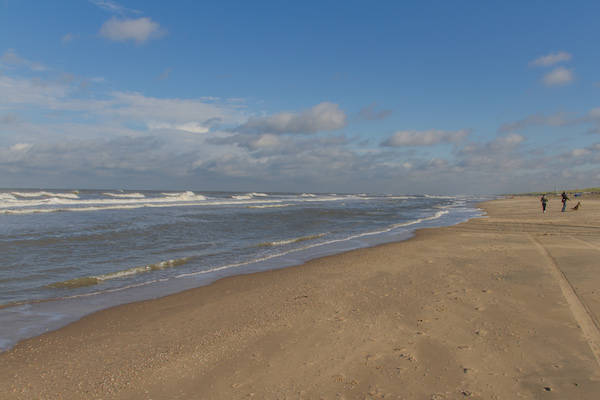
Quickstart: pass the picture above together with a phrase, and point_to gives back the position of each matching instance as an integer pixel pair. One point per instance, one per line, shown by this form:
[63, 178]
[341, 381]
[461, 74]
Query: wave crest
[125, 195]
[290, 241]
[46, 194]
[93, 280]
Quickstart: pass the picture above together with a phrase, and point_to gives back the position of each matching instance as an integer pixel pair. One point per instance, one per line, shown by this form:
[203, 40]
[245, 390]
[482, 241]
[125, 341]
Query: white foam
[271, 206]
[125, 195]
[188, 195]
[307, 195]
[431, 196]
[122, 206]
[7, 197]
[391, 197]
[416, 221]
[181, 199]
[293, 240]
[95, 279]
[113, 203]
[46, 194]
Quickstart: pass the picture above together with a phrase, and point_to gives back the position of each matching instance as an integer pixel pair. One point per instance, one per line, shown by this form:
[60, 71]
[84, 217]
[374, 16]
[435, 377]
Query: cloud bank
[425, 138]
[322, 117]
[50, 135]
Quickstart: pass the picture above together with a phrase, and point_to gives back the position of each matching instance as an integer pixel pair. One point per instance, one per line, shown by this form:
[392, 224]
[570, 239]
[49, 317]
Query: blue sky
[353, 96]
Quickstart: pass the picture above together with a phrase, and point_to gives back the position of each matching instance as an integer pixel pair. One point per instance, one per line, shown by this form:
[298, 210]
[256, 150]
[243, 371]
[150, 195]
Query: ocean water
[67, 253]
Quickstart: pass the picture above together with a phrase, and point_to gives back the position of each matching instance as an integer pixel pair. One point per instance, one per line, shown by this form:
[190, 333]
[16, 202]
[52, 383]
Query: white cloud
[556, 119]
[170, 111]
[113, 7]
[20, 147]
[192, 127]
[425, 138]
[438, 163]
[510, 140]
[496, 155]
[15, 91]
[322, 117]
[580, 152]
[370, 113]
[558, 77]
[267, 141]
[595, 113]
[139, 30]
[9, 118]
[67, 38]
[165, 74]
[116, 138]
[11, 58]
[551, 59]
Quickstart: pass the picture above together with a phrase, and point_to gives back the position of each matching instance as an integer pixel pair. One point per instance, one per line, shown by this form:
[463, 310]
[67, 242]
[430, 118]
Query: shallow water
[68, 253]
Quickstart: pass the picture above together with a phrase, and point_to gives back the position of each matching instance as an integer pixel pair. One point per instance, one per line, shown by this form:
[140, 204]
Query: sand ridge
[473, 311]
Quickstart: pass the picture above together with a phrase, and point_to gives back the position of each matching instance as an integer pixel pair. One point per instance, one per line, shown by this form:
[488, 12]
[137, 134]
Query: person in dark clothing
[564, 201]
[544, 201]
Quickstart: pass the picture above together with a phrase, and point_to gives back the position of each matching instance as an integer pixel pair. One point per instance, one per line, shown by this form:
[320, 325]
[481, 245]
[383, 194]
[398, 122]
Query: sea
[68, 253]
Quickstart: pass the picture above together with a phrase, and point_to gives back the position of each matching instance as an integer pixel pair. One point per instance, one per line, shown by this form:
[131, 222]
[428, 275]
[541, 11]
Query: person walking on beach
[544, 201]
[564, 201]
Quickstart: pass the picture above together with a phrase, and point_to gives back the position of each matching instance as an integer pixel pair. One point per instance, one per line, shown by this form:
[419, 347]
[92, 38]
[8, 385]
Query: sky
[347, 96]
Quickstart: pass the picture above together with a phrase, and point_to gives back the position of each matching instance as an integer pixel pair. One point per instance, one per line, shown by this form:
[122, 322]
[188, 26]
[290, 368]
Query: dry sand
[503, 307]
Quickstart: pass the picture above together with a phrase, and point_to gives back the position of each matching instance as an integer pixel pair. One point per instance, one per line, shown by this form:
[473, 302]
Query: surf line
[578, 308]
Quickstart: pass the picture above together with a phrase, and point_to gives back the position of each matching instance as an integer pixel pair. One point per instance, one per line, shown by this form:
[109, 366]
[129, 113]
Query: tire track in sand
[580, 311]
[586, 243]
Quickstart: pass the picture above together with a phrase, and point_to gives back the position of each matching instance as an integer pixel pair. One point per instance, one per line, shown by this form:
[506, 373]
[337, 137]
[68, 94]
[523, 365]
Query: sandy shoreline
[500, 307]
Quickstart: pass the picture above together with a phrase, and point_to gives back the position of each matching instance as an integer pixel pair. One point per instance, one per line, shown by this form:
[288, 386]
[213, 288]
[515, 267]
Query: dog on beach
[576, 206]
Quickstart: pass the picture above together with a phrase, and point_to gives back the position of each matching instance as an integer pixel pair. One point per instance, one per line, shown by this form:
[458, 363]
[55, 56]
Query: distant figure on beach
[576, 206]
[544, 201]
[564, 201]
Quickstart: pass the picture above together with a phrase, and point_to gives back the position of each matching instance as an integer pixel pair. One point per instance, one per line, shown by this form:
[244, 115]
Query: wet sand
[502, 307]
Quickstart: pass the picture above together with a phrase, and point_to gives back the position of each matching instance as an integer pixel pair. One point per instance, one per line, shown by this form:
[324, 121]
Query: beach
[500, 307]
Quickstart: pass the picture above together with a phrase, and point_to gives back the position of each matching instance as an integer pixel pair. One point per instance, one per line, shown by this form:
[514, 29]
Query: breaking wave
[248, 196]
[419, 220]
[7, 197]
[69, 203]
[188, 195]
[72, 195]
[94, 280]
[294, 240]
[270, 206]
[125, 195]
[431, 196]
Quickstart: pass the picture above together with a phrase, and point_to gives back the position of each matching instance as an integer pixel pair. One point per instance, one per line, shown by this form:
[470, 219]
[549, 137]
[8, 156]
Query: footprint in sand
[481, 332]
